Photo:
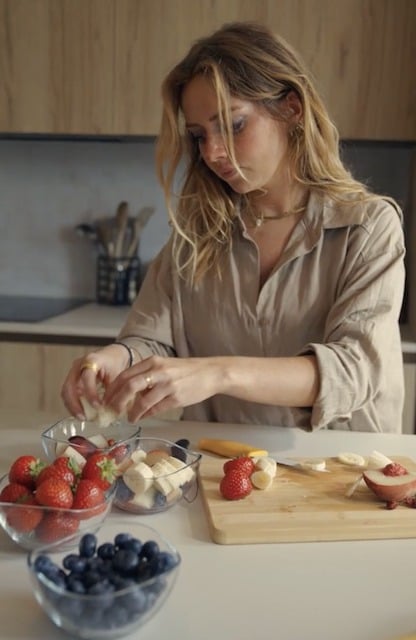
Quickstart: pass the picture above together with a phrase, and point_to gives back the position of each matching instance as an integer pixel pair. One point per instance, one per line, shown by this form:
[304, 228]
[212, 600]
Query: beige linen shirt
[336, 292]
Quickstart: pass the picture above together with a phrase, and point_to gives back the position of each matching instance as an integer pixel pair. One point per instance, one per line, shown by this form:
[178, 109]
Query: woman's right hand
[89, 373]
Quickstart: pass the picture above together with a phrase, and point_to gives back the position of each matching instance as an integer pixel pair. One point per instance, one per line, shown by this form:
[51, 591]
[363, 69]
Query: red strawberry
[63, 468]
[241, 463]
[88, 494]
[118, 453]
[14, 492]
[54, 492]
[25, 469]
[235, 485]
[24, 519]
[100, 468]
[56, 525]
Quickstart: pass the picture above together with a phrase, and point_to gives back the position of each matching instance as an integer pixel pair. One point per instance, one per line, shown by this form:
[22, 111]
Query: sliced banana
[261, 479]
[354, 486]
[352, 459]
[377, 460]
[314, 464]
[264, 463]
[139, 478]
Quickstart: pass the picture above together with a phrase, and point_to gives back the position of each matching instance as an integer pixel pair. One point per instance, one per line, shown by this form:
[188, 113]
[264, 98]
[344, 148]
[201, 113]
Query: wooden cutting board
[302, 507]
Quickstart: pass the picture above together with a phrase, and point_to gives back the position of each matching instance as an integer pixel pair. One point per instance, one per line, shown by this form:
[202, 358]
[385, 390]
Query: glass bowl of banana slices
[157, 475]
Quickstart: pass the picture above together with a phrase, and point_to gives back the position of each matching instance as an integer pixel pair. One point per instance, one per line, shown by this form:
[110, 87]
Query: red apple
[390, 488]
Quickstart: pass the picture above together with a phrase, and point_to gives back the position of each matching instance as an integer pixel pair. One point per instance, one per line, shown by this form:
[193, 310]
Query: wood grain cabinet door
[56, 60]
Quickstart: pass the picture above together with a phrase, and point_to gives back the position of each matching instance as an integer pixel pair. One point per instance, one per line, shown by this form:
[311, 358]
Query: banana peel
[230, 448]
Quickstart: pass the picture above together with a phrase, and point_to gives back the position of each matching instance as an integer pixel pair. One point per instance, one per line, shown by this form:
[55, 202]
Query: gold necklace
[259, 219]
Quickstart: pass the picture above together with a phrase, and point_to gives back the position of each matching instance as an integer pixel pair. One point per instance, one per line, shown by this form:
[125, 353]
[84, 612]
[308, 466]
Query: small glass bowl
[115, 606]
[32, 526]
[120, 438]
[157, 476]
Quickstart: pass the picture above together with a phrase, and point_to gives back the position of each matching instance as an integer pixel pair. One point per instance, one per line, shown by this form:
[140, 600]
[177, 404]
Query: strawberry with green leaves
[235, 485]
[64, 468]
[100, 468]
[25, 470]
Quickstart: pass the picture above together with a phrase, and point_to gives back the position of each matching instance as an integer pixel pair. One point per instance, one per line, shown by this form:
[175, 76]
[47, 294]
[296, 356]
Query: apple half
[390, 488]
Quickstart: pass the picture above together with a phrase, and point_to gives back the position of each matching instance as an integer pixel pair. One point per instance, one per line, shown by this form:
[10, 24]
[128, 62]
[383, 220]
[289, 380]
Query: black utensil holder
[118, 280]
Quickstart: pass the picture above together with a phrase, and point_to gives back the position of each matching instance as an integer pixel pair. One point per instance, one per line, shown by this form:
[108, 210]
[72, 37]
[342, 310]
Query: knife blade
[310, 464]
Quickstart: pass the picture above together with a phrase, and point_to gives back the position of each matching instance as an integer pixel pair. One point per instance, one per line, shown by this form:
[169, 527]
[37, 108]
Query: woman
[276, 299]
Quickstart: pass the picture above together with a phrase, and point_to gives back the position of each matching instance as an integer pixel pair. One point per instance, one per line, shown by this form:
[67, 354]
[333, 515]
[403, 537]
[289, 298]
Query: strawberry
[88, 495]
[54, 492]
[118, 453]
[14, 492]
[241, 463]
[22, 518]
[235, 485]
[56, 525]
[101, 469]
[64, 468]
[25, 469]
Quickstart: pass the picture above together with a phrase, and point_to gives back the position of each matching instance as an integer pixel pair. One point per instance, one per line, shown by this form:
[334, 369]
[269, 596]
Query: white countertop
[291, 591]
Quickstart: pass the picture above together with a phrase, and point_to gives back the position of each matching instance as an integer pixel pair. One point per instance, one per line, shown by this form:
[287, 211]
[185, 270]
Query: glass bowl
[158, 474]
[119, 579]
[32, 526]
[85, 437]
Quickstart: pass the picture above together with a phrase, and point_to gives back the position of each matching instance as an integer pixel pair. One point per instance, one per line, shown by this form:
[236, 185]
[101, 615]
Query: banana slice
[352, 459]
[264, 463]
[261, 479]
[377, 460]
[139, 478]
[314, 464]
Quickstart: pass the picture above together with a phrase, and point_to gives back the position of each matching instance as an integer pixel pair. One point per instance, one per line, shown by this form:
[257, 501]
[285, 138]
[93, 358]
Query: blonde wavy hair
[247, 61]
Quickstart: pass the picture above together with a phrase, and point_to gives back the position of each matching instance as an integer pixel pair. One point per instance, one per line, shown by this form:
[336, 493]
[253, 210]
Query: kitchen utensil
[139, 223]
[305, 465]
[121, 227]
[86, 231]
[302, 507]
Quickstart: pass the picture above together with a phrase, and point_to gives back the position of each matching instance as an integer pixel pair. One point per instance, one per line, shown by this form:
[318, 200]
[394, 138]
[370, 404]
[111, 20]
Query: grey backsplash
[49, 186]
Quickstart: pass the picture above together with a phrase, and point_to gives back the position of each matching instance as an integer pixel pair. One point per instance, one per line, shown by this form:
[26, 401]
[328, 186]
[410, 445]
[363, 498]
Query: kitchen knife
[309, 464]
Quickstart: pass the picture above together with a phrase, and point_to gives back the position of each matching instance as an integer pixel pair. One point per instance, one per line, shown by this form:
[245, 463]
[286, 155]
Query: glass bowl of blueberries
[110, 584]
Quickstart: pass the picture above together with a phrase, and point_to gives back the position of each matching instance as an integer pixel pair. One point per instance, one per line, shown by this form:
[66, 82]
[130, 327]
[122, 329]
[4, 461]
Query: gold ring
[149, 382]
[89, 365]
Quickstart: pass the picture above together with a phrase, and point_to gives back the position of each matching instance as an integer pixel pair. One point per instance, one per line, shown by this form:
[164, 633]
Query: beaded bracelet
[130, 352]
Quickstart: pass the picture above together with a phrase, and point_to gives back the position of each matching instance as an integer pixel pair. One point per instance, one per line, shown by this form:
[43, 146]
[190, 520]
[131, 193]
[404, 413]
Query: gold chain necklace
[260, 219]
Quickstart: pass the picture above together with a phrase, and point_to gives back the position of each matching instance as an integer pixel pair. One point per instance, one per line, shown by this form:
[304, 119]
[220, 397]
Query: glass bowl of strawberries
[46, 502]
[157, 475]
[81, 438]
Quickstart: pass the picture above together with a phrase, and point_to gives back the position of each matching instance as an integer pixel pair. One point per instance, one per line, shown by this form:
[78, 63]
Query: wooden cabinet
[32, 374]
[95, 66]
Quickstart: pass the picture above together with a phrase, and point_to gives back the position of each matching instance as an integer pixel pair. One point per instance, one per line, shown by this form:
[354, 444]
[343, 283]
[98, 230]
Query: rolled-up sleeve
[361, 335]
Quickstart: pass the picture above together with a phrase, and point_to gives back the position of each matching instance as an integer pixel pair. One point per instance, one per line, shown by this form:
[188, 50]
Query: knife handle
[230, 448]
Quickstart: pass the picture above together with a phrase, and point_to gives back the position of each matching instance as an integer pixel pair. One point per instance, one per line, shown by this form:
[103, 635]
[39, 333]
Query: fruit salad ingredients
[245, 464]
[261, 479]
[54, 492]
[102, 469]
[313, 464]
[235, 485]
[230, 448]
[264, 463]
[352, 459]
[377, 460]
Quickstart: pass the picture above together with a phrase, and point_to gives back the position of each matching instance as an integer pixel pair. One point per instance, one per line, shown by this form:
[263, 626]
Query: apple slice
[390, 488]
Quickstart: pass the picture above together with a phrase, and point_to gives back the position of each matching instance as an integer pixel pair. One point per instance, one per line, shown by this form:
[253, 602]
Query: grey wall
[47, 187]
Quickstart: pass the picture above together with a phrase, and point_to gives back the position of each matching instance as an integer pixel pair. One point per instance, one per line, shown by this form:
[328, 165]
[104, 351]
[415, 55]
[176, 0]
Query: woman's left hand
[159, 384]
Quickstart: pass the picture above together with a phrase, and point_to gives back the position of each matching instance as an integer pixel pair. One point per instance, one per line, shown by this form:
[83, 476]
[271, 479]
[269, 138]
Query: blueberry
[88, 545]
[116, 616]
[106, 551]
[74, 584]
[42, 562]
[160, 499]
[70, 607]
[91, 577]
[149, 549]
[124, 494]
[121, 539]
[95, 564]
[133, 545]
[164, 561]
[125, 561]
[178, 450]
[135, 601]
[74, 563]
